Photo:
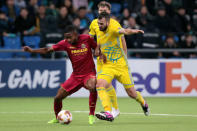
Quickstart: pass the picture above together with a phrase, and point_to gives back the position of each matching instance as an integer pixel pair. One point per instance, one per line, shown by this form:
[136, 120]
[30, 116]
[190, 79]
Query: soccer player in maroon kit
[79, 50]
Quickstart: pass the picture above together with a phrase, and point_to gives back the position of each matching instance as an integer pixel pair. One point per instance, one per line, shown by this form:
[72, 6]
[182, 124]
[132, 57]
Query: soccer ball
[64, 117]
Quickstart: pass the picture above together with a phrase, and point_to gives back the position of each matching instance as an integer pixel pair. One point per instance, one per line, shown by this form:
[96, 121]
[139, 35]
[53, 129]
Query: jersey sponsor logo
[79, 51]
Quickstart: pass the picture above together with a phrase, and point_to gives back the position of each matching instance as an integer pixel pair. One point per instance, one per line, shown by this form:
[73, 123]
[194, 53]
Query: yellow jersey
[110, 41]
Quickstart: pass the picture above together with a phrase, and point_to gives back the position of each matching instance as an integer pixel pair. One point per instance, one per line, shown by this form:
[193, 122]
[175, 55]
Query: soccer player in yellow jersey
[104, 6]
[109, 38]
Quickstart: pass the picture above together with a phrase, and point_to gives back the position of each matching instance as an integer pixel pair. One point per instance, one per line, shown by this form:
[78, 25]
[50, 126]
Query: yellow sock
[112, 93]
[104, 97]
[139, 98]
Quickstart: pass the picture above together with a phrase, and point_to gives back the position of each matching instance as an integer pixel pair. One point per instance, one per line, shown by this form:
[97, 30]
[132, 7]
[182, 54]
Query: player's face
[103, 24]
[71, 37]
[104, 9]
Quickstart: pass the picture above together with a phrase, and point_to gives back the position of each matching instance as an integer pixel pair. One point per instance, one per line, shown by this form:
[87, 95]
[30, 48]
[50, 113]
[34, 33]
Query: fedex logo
[166, 77]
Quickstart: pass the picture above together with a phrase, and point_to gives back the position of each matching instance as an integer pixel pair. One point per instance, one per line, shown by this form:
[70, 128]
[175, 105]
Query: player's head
[23, 12]
[103, 21]
[104, 6]
[70, 34]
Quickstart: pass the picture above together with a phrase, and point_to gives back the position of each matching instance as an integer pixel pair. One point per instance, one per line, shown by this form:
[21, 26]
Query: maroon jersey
[80, 54]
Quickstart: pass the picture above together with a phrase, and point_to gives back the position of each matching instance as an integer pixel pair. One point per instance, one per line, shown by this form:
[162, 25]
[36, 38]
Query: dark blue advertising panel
[31, 77]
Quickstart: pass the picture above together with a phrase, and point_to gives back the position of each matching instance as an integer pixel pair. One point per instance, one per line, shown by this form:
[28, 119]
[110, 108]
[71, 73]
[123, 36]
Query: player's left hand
[136, 31]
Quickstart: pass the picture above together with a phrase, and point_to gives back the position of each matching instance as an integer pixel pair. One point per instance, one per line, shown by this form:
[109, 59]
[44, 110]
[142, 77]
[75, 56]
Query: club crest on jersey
[83, 46]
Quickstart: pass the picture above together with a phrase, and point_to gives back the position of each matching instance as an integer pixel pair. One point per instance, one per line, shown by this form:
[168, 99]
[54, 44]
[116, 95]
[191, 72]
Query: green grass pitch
[32, 114]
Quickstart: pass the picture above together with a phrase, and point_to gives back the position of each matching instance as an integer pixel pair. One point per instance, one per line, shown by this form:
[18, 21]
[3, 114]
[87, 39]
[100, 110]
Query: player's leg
[138, 97]
[111, 92]
[92, 106]
[102, 84]
[67, 88]
[126, 79]
[61, 94]
[103, 81]
[90, 84]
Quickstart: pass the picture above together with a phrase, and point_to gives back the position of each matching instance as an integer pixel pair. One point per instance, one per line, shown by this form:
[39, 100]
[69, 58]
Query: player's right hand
[27, 49]
[103, 58]
[97, 51]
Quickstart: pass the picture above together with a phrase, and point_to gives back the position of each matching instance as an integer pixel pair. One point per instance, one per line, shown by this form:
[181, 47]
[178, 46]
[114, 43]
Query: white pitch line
[122, 113]
[27, 112]
[179, 115]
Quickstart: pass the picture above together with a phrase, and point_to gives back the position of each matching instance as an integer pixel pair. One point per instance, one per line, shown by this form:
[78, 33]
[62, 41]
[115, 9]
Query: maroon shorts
[75, 82]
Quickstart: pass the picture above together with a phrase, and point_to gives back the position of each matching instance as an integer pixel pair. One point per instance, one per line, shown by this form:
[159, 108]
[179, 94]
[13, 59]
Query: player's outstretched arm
[130, 31]
[40, 51]
[124, 45]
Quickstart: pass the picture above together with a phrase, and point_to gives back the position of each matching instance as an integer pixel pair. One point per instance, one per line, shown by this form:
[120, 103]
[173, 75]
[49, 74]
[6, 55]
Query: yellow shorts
[122, 74]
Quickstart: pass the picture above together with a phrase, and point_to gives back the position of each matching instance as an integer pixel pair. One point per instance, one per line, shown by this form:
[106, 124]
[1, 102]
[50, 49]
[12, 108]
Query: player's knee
[57, 98]
[101, 83]
[131, 93]
[91, 85]
[61, 94]
[132, 96]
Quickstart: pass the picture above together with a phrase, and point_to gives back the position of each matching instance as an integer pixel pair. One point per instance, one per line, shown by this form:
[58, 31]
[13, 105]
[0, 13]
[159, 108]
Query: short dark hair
[104, 15]
[170, 35]
[180, 7]
[23, 8]
[104, 4]
[70, 28]
[188, 34]
[82, 8]
[63, 7]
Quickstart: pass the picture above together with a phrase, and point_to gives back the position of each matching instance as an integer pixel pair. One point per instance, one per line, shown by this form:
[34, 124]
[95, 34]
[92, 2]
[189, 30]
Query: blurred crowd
[167, 23]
